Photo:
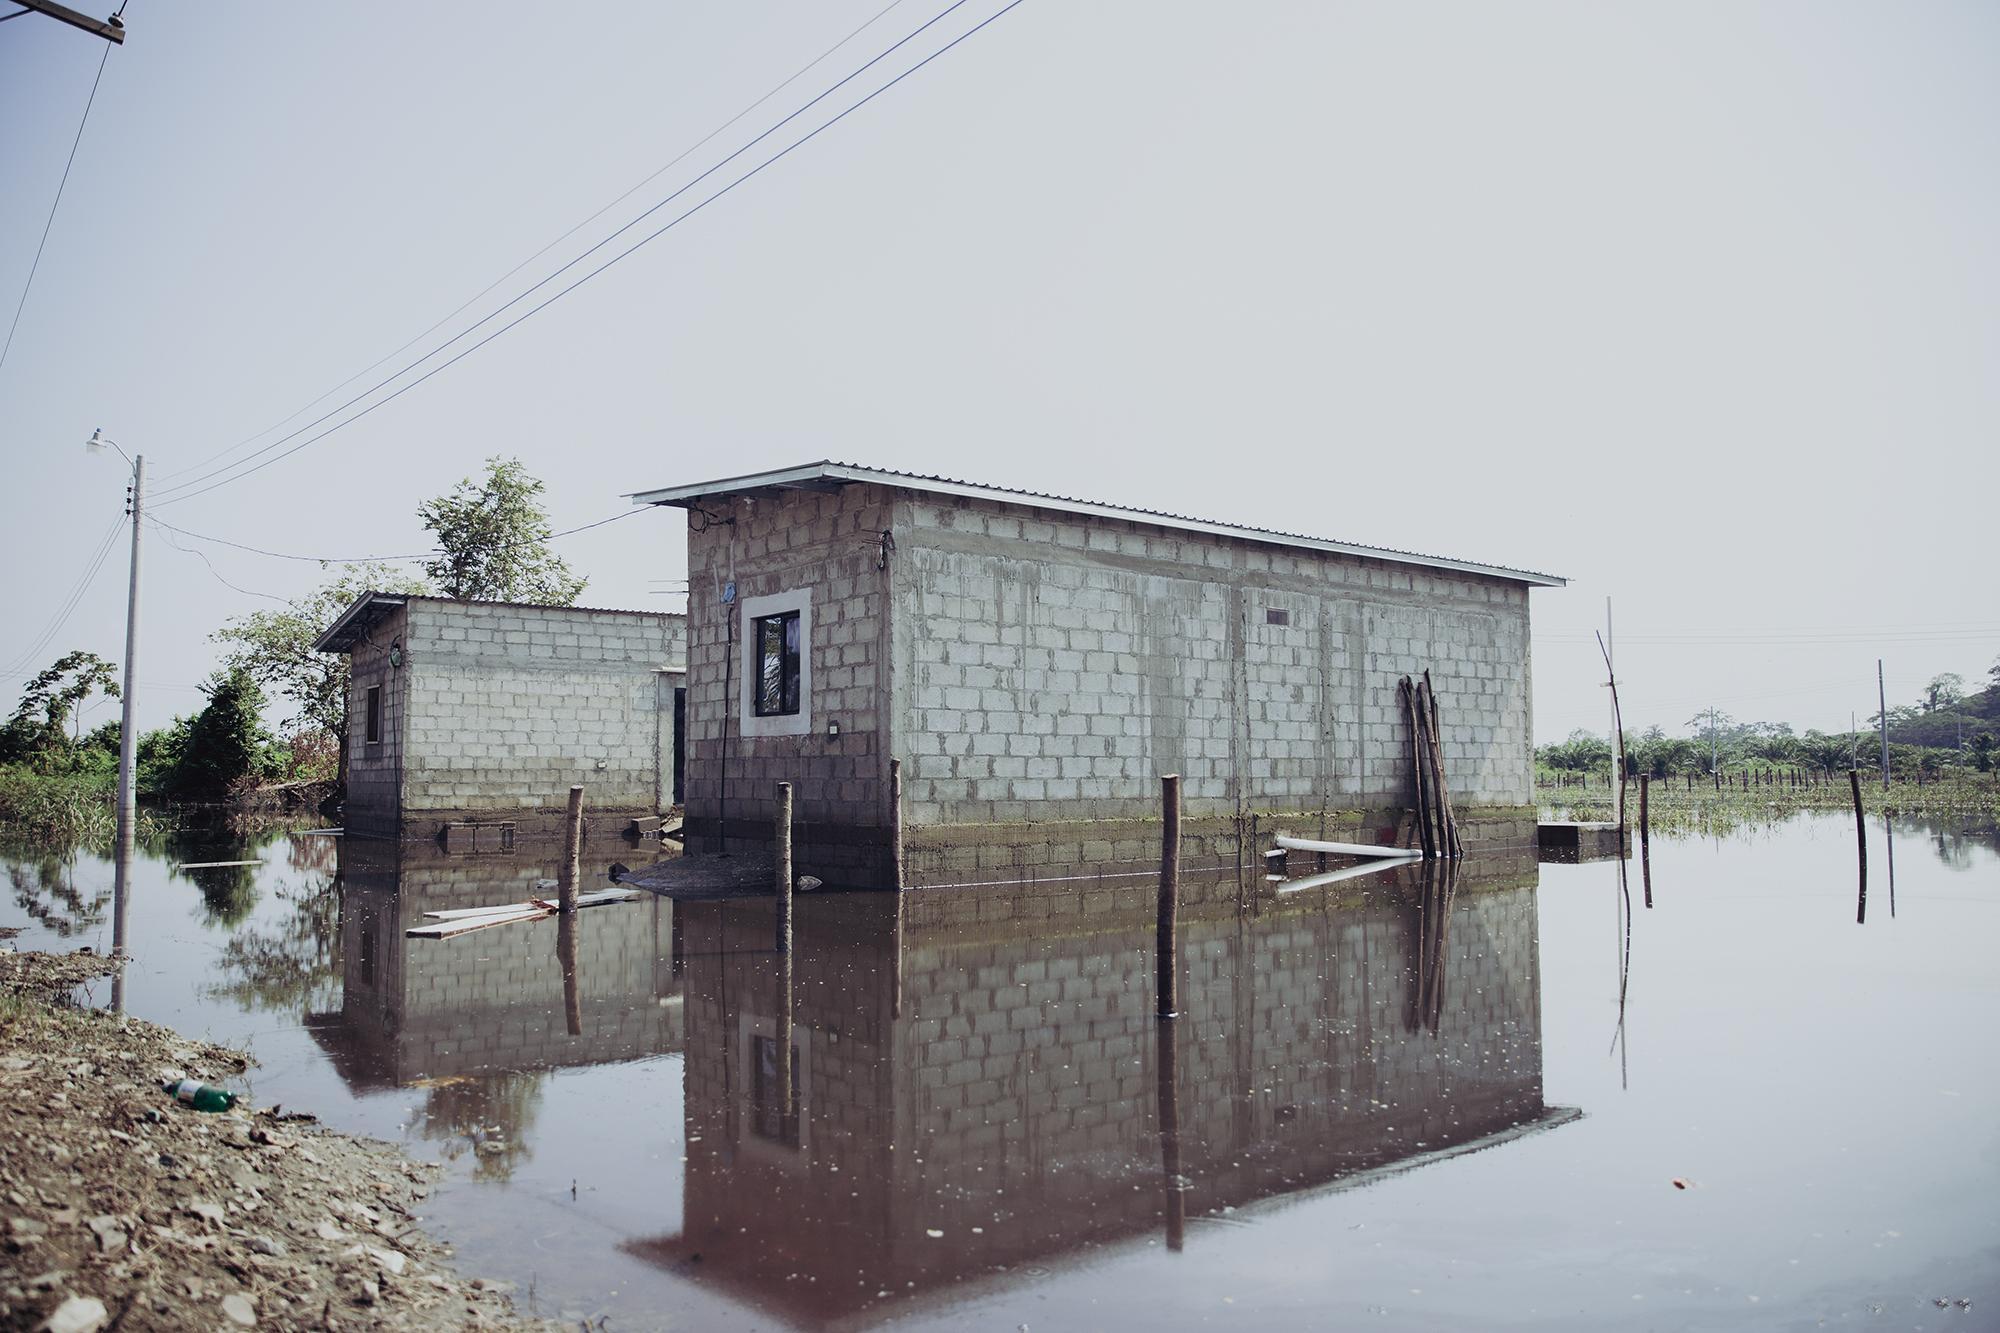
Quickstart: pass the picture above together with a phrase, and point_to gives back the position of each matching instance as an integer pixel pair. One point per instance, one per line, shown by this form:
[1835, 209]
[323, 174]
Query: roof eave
[804, 477]
[344, 633]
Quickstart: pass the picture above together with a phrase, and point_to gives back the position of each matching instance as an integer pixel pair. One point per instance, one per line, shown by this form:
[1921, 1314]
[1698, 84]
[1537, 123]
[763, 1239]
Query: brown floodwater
[1516, 1096]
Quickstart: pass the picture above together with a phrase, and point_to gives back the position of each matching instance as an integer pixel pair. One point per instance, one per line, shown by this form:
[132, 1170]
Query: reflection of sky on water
[980, 1102]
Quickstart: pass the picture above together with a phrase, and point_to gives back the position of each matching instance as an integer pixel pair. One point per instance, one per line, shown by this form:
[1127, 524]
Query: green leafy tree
[1944, 690]
[38, 733]
[1982, 751]
[494, 538]
[226, 743]
[275, 647]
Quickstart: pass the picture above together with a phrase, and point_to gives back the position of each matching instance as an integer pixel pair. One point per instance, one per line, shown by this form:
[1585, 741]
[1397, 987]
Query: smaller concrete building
[488, 712]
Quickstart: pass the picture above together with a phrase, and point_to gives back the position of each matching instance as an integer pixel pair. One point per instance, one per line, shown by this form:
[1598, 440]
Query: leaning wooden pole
[1449, 844]
[896, 824]
[1167, 925]
[1407, 693]
[781, 856]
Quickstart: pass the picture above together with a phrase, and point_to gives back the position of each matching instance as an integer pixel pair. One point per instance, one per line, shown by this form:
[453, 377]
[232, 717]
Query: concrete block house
[1037, 663]
[465, 713]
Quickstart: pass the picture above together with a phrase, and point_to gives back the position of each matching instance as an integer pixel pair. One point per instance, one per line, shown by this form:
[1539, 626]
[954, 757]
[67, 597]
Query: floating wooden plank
[1287, 843]
[582, 900]
[444, 930]
[214, 865]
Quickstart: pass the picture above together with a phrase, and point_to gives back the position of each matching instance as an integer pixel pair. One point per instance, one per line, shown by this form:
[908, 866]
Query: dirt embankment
[120, 1208]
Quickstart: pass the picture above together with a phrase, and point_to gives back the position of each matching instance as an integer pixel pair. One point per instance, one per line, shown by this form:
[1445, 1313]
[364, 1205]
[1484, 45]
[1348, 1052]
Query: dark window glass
[777, 640]
[374, 714]
[1273, 616]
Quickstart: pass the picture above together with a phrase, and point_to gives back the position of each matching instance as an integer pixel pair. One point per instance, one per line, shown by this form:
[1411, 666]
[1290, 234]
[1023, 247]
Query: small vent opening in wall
[1273, 616]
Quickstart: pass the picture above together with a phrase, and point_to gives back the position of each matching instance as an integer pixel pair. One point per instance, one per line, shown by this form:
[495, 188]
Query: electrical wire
[29, 285]
[383, 559]
[185, 493]
[166, 535]
[483, 292]
[70, 601]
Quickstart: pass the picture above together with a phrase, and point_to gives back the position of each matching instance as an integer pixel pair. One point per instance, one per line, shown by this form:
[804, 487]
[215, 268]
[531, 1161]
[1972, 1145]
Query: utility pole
[111, 30]
[1882, 697]
[128, 732]
[1714, 748]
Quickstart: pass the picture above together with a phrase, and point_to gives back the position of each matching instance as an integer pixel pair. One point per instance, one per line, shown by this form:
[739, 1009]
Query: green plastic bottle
[201, 1096]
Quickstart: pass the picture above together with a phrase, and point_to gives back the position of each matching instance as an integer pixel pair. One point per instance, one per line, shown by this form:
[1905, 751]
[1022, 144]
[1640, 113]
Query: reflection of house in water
[977, 1073]
[492, 1002]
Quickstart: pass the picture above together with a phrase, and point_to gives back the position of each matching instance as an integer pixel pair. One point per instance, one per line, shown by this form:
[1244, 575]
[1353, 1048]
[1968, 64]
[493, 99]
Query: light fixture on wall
[832, 730]
[396, 654]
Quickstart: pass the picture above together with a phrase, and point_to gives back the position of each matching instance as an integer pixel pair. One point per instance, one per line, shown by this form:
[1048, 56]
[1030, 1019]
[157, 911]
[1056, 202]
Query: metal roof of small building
[372, 608]
[829, 475]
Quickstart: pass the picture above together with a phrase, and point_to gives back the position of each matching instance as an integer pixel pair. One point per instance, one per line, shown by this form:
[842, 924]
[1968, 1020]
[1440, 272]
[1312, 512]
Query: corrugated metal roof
[371, 608]
[827, 472]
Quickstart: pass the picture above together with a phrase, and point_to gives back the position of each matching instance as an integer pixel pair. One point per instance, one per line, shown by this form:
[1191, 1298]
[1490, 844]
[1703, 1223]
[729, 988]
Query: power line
[166, 536]
[185, 487]
[70, 602]
[682, 156]
[188, 494]
[36, 265]
[382, 559]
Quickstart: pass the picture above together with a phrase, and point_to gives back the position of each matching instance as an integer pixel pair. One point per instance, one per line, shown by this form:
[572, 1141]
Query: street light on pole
[128, 738]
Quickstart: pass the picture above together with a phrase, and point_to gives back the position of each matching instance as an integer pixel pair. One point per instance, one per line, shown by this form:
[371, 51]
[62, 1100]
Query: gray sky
[1697, 305]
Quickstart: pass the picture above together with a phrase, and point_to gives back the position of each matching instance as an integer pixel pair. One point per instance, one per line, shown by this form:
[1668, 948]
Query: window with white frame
[776, 638]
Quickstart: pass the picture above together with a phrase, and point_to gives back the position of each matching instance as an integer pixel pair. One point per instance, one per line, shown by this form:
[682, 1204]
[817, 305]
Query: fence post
[572, 851]
[1167, 932]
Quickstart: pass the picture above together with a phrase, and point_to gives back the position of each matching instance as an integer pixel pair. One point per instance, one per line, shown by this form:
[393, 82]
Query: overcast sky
[1696, 305]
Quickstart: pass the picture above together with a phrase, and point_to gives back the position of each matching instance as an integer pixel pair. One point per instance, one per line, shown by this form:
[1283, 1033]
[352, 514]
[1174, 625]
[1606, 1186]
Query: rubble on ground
[121, 1208]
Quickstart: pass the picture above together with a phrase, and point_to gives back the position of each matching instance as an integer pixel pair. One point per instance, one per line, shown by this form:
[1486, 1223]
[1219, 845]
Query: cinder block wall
[374, 772]
[1050, 667]
[831, 544]
[510, 705]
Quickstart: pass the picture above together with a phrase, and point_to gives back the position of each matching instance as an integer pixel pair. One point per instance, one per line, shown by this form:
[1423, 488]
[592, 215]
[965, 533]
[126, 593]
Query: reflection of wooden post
[781, 837]
[1167, 931]
[1646, 835]
[896, 824]
[566, 960]
[572, 851]
[1861, 846]
[1170, 1133]
[788, 1114]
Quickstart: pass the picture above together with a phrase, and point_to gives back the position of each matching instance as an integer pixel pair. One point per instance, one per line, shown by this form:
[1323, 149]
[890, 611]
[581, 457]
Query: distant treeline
[1945, 729]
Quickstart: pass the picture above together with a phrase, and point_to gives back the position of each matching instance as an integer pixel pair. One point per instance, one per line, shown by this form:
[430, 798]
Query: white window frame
[748, 613]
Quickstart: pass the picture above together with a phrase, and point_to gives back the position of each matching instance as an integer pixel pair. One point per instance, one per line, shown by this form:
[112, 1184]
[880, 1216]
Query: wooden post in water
[1861, 844]
[572, 851]
[781, 856]
[1167, 932]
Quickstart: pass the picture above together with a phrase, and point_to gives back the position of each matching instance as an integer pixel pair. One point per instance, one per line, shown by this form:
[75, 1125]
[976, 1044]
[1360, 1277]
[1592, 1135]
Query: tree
[275, 647]
[1944, 690]
[226, 743]
[39, 730]
[494, 538]
[1982, 751]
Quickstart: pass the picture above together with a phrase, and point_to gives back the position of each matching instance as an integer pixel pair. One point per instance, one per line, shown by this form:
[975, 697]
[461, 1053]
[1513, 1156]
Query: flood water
[1395, 1102]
